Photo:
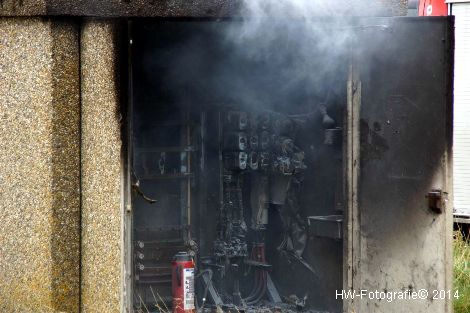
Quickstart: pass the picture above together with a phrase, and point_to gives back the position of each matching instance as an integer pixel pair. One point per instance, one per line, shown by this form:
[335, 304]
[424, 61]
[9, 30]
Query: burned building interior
[236, 169]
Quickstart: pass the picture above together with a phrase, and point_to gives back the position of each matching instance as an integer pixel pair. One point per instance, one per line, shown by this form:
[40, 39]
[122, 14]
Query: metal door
[399, 173]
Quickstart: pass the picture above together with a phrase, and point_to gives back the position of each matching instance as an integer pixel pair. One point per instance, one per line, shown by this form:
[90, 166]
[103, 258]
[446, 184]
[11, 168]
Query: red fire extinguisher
[182, 283]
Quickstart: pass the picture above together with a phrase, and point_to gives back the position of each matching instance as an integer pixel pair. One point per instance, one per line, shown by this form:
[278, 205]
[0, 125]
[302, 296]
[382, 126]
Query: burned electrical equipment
[238, 186]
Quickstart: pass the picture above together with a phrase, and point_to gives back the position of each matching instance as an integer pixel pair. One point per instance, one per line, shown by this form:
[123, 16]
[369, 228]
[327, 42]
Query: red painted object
[182, 283]
[432, 8]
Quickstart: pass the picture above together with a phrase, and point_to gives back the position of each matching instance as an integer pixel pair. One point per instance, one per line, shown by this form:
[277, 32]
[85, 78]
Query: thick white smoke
[306, 40]
[279, 53]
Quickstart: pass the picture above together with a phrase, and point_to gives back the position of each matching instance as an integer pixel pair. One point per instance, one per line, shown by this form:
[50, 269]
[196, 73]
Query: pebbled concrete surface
[39, 162]
[157, 8]
[101, 168]
[23, 7]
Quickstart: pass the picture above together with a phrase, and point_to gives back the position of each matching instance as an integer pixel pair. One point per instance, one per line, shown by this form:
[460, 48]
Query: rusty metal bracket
[436, 200]
[136, 187]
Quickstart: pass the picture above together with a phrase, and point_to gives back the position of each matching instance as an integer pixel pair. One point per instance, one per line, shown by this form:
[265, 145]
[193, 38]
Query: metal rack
[154, 247]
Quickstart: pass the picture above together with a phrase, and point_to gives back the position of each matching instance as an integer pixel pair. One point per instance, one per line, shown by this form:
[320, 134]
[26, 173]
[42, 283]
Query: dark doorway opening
[238, 167]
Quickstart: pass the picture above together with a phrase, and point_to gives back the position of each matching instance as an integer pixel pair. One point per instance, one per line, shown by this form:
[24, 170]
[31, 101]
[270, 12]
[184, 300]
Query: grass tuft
[461, 273]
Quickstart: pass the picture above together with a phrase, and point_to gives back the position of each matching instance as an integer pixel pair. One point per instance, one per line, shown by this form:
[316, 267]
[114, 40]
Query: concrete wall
[22, 7]
[40, 152]
[398, 7]
[161, 8]
[39, 162]
[101, 168]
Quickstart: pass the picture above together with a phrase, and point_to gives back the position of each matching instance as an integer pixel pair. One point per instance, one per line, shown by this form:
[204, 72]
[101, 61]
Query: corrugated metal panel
[462, 109]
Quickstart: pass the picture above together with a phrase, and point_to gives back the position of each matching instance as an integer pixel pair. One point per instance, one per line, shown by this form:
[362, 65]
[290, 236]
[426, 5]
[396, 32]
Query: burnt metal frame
[351, 225]
[128, 273]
